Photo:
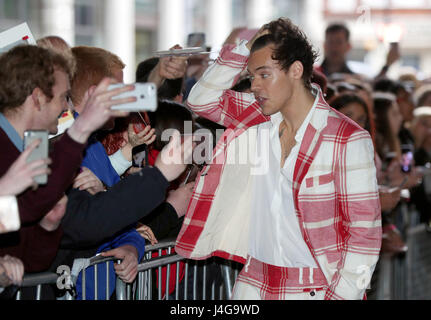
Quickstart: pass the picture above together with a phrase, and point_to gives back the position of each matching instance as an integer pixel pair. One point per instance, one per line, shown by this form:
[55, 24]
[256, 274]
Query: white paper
[9, 215]
[12, 37]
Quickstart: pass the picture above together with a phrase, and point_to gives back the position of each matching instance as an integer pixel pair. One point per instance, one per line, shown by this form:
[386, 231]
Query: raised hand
[88, 181]
[174, 157]
[97, 110]
[20, 174]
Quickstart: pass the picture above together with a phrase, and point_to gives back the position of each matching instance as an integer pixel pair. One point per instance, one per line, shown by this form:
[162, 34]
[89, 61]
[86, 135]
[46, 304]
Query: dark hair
[388, 85]
[384, 136]
[319, 78]
[24, 68]
[170, 87]
[336, 27]
[169, 115]
[291, 45]
[211, 126]
[344, 99]
[242, 85]
[423, 96]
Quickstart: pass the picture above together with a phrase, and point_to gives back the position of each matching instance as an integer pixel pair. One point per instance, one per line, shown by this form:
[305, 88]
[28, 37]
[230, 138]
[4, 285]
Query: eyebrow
[260, 68]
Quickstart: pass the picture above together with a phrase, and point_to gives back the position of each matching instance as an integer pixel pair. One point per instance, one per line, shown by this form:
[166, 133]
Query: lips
[261, 100]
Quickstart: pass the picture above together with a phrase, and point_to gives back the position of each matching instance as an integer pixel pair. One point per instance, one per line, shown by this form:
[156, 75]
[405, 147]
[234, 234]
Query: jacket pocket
[319, 180]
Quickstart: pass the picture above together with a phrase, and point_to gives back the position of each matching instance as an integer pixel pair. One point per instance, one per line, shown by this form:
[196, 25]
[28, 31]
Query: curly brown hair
[291, 44]
[24, 68]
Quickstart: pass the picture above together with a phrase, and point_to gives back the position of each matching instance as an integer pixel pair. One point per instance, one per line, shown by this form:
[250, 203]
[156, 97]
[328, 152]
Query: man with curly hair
[301, 211]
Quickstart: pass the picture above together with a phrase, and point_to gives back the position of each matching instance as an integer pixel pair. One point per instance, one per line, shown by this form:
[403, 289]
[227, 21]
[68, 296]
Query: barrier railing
[162, 275]
[190, 279]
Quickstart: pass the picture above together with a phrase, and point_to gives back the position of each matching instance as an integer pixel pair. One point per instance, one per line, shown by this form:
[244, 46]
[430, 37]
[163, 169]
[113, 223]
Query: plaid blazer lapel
[310, 144]
[250, 117]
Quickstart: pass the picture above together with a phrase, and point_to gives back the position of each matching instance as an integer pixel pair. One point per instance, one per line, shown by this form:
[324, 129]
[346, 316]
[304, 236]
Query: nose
[255, 85]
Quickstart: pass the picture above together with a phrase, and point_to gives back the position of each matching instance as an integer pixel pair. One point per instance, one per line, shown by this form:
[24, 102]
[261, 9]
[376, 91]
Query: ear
[296, 70]
[38, 98]
[91, 90]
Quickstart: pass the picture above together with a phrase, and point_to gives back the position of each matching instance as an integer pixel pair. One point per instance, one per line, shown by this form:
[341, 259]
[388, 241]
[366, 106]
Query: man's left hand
[128, 268]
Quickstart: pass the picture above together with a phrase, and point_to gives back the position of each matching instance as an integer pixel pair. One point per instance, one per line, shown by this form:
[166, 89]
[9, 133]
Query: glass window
[84, 15]
[144, 45]
[411, 60]
[14, 9]
[239, 13]
[148, 7]
[10, 9]
[84, 40]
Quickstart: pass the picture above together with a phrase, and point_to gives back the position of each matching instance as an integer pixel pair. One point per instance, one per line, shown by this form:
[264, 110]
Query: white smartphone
[181, 52]
[146, 97]
[41, 151]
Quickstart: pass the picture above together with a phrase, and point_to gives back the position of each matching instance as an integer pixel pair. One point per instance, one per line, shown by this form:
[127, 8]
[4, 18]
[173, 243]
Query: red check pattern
[335, 186]
[277, 283]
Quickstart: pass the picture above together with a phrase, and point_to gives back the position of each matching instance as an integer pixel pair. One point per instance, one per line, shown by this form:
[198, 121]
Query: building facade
[135, 29]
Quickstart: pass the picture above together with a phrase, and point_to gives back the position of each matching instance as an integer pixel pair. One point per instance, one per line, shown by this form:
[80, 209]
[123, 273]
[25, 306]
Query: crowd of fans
[98, 200]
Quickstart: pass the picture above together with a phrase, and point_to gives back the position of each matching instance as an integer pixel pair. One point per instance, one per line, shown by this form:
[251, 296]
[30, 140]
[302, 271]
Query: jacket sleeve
[163, 221]
[211, 98]
[35, 246]
[66, 159]
[130, 237]
[91, 220]
[360, 218]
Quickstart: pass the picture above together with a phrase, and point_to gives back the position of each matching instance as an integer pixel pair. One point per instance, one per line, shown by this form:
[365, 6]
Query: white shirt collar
[277, 118]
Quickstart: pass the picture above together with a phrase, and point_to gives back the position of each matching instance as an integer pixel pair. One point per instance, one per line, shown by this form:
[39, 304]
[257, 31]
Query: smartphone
[146, 97]
[196, 39]
[181, 52]
[406, 159]
[140, 156]
[40, 152]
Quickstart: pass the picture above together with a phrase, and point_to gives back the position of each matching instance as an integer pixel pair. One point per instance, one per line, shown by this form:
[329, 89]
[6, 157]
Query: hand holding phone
[39, 152]
[146, 97]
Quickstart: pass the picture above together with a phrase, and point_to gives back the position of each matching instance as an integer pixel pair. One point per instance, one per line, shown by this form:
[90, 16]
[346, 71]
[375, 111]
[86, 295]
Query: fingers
[188, 146]
[190, 185]
[40, 171]
[128, 268]
[145, 131]
[14, 269]
[128, 275]
[147, 234]
[151, 140]
[173, 67]
[104, 97]
[177, 46]
[29, 149]
[87, 180]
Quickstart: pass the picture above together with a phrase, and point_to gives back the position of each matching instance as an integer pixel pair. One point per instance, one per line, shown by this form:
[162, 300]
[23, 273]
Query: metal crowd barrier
[50, 278]
[210, 279]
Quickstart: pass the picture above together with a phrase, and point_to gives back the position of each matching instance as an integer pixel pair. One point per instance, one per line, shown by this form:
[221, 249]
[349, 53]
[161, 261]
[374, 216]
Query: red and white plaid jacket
[335, 187]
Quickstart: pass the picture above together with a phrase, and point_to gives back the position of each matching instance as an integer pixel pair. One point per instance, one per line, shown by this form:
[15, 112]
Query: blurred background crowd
[374, 67]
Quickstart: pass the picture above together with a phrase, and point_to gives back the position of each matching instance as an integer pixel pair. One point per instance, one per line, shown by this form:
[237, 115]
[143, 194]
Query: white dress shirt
[275, 235]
